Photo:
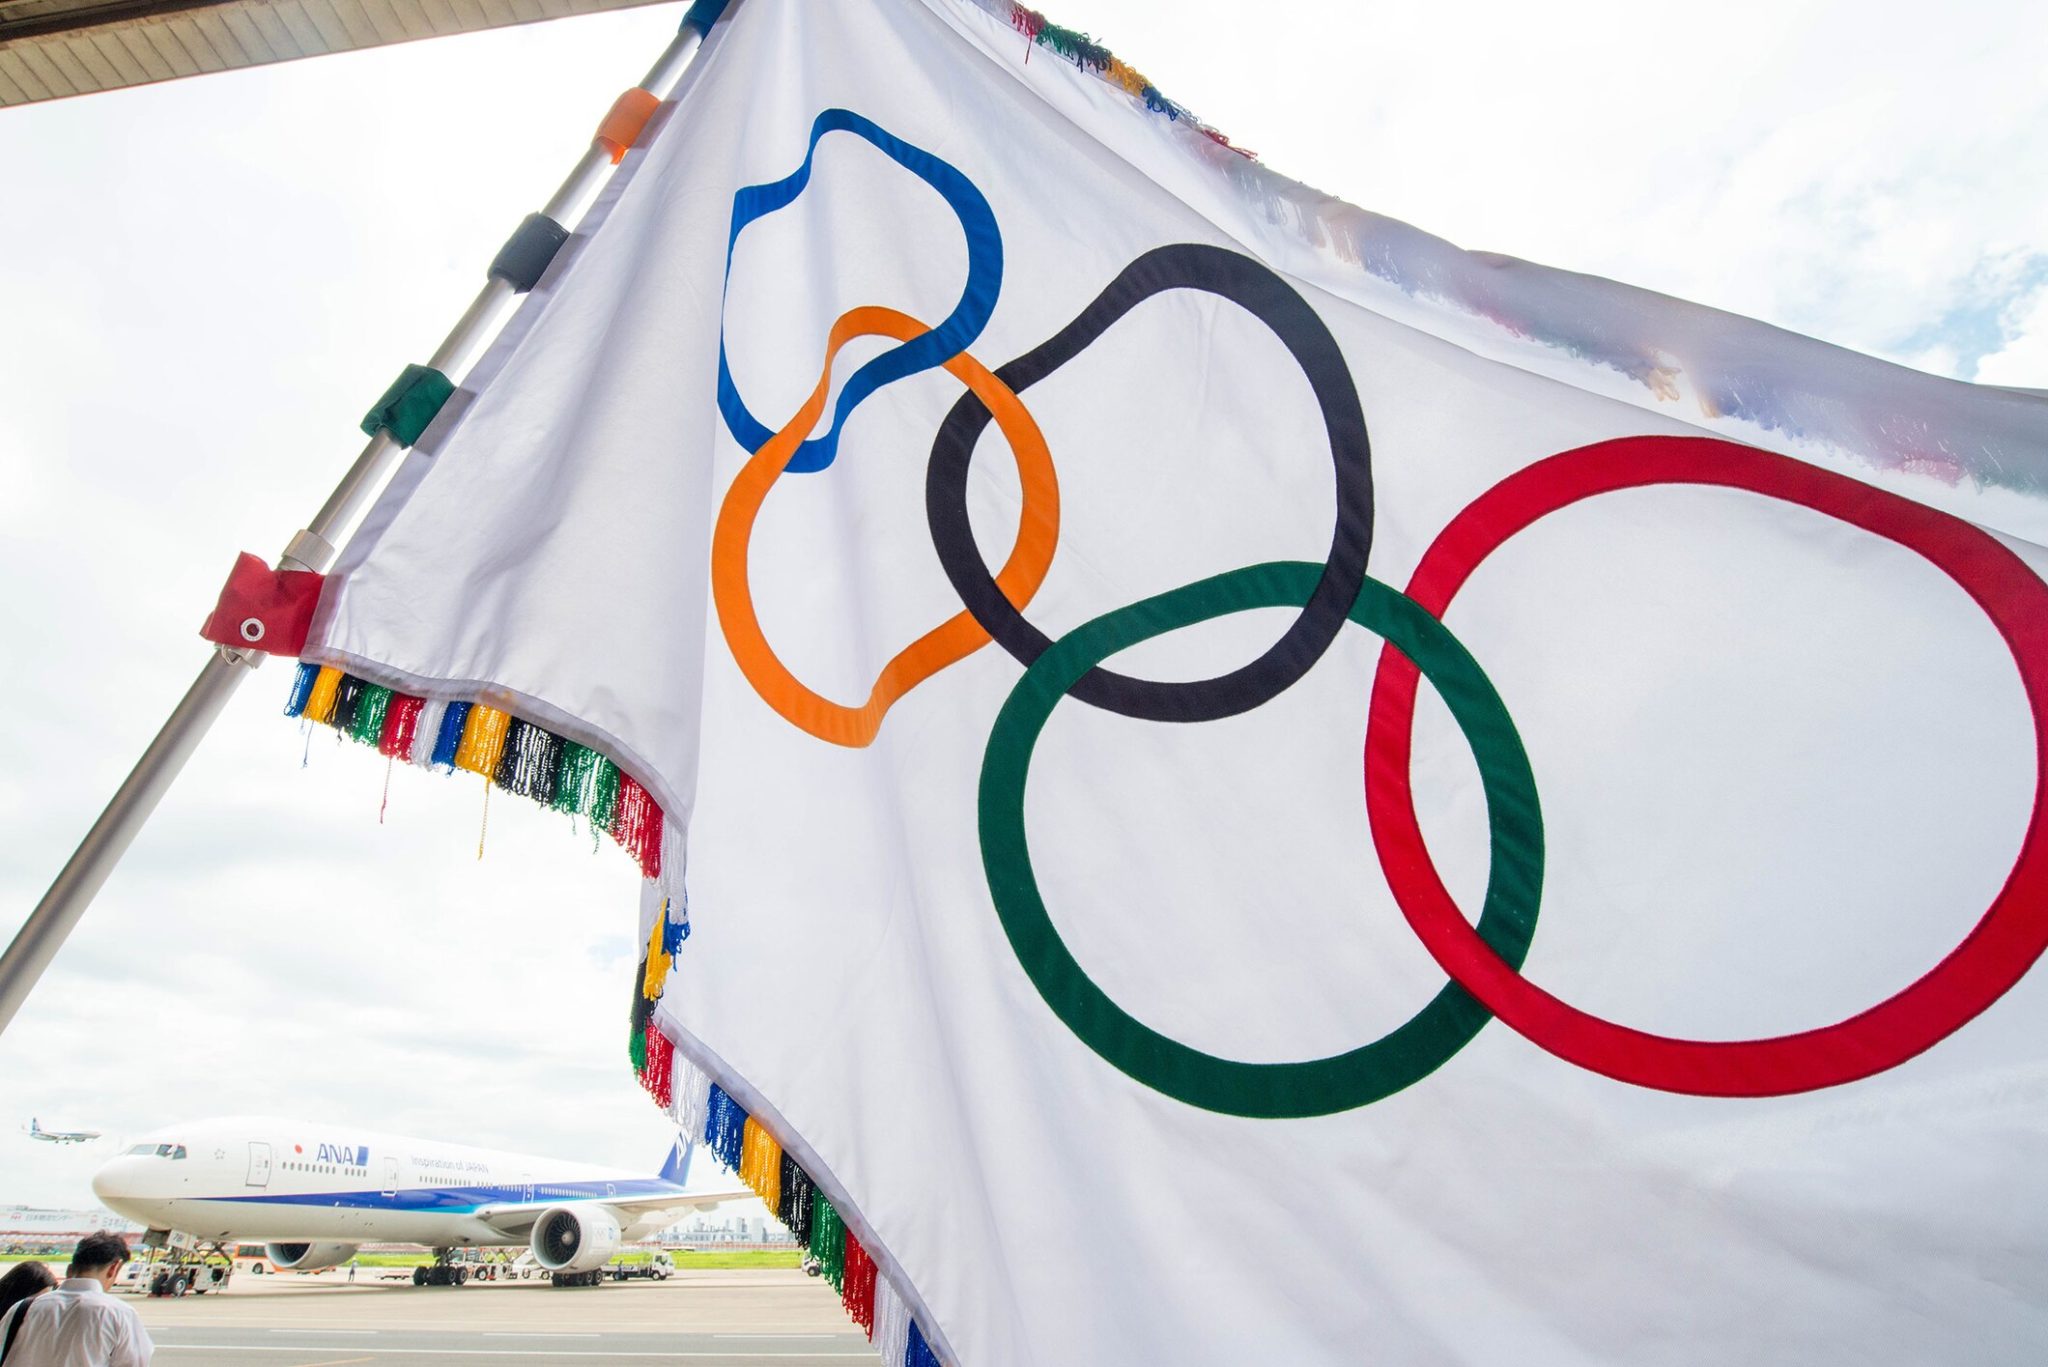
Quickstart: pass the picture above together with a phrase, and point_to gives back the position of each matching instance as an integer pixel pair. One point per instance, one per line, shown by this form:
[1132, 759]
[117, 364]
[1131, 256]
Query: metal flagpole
[47, 927]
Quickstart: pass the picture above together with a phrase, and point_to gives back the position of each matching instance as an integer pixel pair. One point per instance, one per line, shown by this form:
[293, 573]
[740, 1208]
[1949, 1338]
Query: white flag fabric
[1244, 784]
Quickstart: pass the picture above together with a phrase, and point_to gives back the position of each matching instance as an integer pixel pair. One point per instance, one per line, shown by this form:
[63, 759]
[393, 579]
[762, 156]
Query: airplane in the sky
[36, 1131]
[316, 1192]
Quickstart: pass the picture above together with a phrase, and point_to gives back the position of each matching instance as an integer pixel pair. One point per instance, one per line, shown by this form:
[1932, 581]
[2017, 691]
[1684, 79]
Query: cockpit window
[177, 1150]
[143, 1148]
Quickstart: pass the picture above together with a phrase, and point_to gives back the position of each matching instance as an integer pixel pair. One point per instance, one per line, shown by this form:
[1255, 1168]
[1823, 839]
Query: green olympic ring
[1267, 1090]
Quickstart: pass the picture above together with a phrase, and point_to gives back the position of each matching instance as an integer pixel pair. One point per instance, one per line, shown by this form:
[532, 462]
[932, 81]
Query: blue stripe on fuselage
[461, 1200]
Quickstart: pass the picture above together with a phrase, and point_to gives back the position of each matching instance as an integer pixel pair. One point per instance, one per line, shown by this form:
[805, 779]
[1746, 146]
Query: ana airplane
[36, 1131]
[315, 1192]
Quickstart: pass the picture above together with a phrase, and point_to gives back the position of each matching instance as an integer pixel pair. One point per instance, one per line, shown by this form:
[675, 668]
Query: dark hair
[22, 1281]
[98, 1250]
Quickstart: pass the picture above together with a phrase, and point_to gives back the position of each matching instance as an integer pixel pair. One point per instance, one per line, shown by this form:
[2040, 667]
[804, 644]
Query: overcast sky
[203, 285]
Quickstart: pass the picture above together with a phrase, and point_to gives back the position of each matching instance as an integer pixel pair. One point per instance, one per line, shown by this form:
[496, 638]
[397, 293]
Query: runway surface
[702, 1319]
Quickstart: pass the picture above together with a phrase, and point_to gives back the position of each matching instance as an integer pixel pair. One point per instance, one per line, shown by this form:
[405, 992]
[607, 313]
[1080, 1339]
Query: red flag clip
[264, 609]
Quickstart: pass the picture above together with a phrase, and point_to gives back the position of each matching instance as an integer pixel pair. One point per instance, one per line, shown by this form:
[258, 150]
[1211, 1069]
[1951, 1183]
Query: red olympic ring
[1997, 952]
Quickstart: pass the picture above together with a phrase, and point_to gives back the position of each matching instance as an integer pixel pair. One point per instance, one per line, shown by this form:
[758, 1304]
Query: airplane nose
[123, 1187]
[106, 1182]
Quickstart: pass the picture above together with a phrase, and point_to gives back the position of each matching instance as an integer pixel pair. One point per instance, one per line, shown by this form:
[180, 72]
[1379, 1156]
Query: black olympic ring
[1260, 292]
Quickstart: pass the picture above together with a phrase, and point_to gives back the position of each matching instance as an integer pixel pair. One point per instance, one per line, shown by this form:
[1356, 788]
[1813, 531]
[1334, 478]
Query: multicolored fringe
[518, 756]
[745, 1146]
[667, 925]
[657, 1068]
[1084, 52]
[529, 761]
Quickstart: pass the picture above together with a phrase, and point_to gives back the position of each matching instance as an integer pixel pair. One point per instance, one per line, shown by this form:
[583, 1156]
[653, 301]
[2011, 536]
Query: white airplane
[36, 1131]
[315, 1192]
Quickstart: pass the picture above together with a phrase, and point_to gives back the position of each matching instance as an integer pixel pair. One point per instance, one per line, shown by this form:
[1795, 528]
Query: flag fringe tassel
[1084, 52]
[706, 1113]
[529, 761]
[522, 758]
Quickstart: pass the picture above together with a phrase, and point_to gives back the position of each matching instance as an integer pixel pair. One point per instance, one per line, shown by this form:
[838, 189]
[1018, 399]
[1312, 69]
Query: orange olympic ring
[960, 635]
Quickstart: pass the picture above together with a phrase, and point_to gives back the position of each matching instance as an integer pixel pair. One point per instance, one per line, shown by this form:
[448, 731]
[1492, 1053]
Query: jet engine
[575, 1238]
[308, 1257]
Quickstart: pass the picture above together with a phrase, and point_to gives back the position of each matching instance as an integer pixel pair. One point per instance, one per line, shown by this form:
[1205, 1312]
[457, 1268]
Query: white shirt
[78, 1325]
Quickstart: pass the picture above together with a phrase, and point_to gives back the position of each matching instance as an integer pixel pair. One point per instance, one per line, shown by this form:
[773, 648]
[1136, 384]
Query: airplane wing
[516, 1219]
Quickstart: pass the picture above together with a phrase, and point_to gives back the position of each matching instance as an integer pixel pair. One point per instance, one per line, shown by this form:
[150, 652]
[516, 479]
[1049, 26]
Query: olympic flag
[1222, 780]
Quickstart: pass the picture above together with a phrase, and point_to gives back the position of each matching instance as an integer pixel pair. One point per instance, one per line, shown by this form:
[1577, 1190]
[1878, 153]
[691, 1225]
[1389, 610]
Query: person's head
[99, 1255]
[22, 1281]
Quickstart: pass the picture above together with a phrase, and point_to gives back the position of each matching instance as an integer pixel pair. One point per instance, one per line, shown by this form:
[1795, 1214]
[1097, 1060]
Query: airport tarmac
[698, 1318]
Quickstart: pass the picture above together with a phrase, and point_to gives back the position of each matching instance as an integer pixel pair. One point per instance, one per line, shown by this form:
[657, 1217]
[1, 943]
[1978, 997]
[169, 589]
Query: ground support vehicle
[253, 1259]
[658, 1267]
[524, 1268]
[486, 1264]
[180, 1268]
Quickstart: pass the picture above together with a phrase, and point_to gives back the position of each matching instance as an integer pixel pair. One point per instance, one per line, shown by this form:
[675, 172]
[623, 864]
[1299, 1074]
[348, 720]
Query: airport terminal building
[32, 1229]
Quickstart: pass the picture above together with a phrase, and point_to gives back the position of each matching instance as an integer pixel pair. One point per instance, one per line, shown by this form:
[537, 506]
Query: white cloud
[2023, 360]
[1848, 170]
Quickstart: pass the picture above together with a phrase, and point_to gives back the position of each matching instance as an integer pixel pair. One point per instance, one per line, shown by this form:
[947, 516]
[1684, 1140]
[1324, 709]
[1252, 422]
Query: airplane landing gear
[192, 1267]
[445, 1271]
[595, 1278]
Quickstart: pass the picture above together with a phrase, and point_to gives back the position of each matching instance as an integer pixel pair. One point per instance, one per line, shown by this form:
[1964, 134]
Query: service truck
[655, 1266]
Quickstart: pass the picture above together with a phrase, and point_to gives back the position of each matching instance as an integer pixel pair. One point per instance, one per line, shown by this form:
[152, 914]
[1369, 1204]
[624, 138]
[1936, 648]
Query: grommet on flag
[624, 122]
[264, 609]
[526, 254]
[409, 404]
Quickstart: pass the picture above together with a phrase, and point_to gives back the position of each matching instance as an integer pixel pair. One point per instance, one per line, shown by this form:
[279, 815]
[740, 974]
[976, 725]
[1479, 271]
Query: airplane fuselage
[266, 1179]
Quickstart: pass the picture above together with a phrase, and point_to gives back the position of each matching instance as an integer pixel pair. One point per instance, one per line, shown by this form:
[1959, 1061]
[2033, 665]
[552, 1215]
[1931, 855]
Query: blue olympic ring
[932, 349]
